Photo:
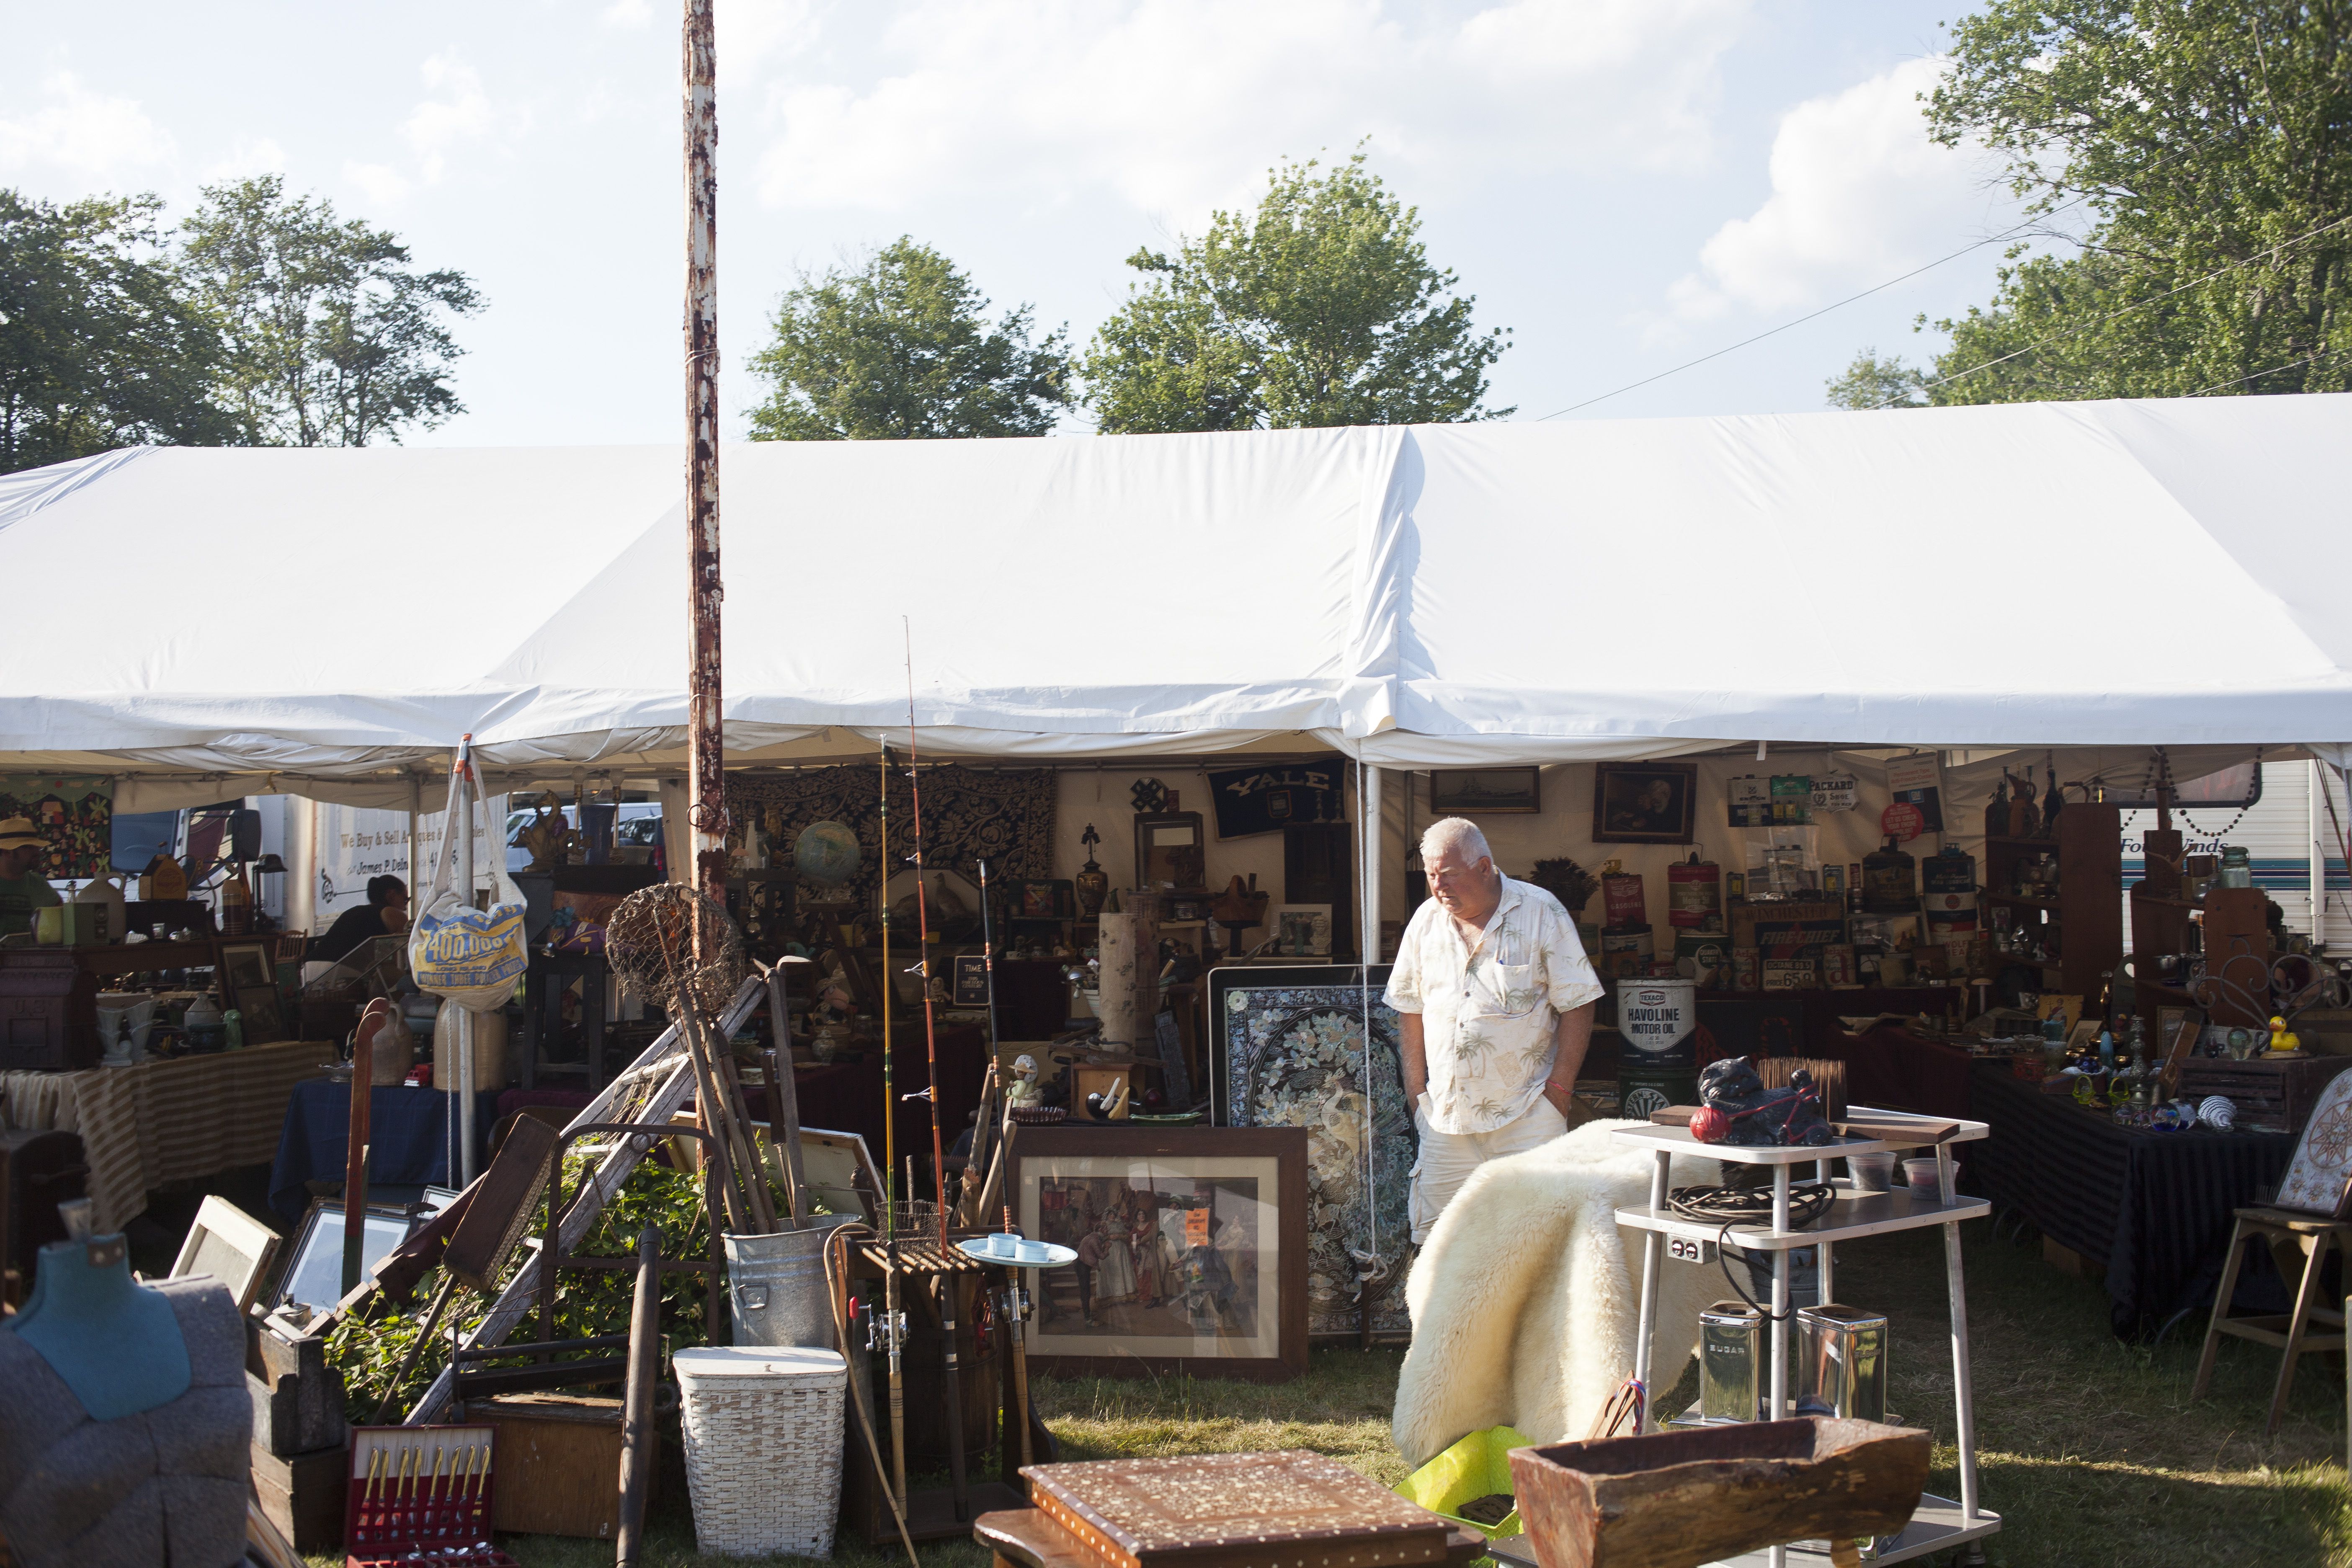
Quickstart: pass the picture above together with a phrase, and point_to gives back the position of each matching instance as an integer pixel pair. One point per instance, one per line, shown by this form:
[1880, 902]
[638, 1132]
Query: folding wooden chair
[2288, 1235]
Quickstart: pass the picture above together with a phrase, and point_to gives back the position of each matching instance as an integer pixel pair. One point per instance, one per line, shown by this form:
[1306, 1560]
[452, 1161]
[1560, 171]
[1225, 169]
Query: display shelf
[2021, 898]
[1938, 1523]
[1849, 1219]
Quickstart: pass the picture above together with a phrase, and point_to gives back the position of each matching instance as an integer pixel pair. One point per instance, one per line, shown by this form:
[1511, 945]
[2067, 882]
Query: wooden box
[561, 1457]
[49, 1012]
[2271, 1096]
[1713, 1492]
[302, 1495]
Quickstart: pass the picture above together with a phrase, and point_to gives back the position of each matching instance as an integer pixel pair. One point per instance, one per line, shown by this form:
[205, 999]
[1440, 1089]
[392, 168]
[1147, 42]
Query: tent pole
[1368, 941]
[461, 823]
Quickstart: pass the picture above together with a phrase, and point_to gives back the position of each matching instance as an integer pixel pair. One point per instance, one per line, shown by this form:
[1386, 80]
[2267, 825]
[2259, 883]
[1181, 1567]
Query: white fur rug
[1525, 1297]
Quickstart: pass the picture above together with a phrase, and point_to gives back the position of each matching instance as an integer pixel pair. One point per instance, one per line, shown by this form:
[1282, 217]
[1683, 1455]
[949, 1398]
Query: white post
[2315, 802]
[461, 823]
[1368, 933]
[1778, 1336]
[1645, 1330]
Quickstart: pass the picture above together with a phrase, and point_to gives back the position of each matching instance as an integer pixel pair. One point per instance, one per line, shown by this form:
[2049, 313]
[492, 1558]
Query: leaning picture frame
[248, 974]
[312, 1274]
[1192, 1248]
[1645, 802]
[231, 1245]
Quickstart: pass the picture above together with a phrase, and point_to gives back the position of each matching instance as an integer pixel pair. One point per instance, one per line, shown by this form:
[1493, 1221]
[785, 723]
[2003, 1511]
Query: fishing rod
[944, 1283]
[893, 1318]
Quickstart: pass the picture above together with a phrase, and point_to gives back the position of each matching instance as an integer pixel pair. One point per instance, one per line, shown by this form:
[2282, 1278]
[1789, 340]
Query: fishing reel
[886, 1332]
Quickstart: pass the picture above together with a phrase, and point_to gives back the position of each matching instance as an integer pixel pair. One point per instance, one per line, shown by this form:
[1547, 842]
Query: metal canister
[1695, 894]
[1747, 968]
[1890, 883]
[1842, 1362]
[1659, 1022]
[1730, 1363]
[1622, 902]
[1702, 956]
[1624, 950]
[1642, 1089]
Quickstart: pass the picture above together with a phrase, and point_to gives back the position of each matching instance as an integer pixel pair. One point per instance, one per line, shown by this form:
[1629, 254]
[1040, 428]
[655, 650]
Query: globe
[826, 852]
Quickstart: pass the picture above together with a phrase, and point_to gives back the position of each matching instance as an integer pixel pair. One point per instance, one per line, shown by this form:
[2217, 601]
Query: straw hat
[16, 832]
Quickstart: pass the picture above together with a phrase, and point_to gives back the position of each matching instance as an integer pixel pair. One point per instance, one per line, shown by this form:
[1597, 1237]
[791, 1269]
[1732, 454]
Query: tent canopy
[2120, 574]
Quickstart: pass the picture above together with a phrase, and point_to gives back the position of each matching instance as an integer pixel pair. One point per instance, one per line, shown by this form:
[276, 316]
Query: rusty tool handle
[637, 1399]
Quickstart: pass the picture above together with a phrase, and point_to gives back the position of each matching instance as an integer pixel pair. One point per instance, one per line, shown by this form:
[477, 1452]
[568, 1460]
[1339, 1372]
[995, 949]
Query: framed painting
[1643, 802]
[1192, 1243]
[313, 1275]
[1288, 1048]
[1303, 930]
[2319, 1179]
[1472, 792]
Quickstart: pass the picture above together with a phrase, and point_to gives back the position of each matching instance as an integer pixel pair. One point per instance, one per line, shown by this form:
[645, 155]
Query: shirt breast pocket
[1510, 990]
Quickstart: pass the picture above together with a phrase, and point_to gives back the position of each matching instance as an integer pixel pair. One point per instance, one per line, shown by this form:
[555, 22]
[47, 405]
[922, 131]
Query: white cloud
[247, 155]
[456, 118]
[630, 13]
[1859, 195]
[1176, 105]
[91, 134]
[379, 182]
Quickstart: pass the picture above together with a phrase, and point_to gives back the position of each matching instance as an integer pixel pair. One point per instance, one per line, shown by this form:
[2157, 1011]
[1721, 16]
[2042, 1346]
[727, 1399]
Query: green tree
[333, 337]
[99, 345]
[898, 348]
[2204, 150]
[1320, 308]
[1871, 381]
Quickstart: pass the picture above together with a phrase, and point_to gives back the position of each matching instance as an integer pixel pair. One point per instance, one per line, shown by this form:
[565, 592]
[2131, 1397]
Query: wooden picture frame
[1645, 802]
[231, 1245]
[1486, 791]
[248, 977]
[1171, 849]
[1223, 1308]
[1042, 898]
[841, 1171]
[2178, 1030]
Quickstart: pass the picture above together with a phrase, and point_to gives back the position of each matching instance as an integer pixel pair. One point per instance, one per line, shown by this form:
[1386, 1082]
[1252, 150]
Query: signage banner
[1265, 800]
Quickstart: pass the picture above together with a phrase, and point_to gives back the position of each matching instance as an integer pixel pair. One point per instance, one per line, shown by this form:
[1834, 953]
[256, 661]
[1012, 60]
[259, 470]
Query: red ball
[1709, 1125]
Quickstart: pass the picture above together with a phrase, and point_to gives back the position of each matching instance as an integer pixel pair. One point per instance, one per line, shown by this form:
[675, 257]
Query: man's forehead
[1452, 856]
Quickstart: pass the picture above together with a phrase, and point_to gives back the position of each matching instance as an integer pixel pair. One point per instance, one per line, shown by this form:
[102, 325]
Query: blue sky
[1625, 183]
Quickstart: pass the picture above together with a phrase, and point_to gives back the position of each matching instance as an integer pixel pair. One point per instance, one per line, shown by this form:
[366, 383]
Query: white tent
[208, 622]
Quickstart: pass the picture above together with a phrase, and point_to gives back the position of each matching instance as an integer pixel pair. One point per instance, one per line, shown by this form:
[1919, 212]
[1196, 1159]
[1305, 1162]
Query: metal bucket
[775, 1285]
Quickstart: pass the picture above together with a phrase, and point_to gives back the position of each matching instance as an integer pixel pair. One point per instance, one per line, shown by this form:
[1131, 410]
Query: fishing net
[650, 943]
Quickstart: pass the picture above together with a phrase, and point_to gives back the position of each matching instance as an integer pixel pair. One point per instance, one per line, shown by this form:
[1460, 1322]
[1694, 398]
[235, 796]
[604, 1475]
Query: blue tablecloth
[411, 1134]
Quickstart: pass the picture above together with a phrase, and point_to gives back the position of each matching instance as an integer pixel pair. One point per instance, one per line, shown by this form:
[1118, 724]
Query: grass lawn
[2090, 1449]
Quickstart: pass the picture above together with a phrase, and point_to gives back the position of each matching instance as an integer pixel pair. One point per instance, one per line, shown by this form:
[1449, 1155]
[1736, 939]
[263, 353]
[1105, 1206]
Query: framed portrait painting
[1643, 802]
[1192, 1246]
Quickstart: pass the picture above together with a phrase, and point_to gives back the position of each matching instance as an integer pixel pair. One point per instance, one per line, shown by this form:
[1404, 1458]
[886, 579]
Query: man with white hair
[1495, 997]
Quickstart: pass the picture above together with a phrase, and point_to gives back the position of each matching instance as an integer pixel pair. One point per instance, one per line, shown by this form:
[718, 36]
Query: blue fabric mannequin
[114, 1341]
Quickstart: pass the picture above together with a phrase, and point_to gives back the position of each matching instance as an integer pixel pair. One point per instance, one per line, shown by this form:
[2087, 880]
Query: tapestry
[1005, 817]
[1289, 1052]
[74, 814]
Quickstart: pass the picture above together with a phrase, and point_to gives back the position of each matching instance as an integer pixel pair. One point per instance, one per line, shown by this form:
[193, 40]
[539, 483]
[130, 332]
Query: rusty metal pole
[707, 784]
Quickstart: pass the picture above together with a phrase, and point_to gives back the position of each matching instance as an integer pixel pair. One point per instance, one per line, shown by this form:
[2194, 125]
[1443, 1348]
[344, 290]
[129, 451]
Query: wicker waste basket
[762, 1446]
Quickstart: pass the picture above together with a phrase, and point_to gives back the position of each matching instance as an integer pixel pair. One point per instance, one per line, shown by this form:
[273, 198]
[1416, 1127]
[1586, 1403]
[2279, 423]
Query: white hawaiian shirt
[1490, 1014]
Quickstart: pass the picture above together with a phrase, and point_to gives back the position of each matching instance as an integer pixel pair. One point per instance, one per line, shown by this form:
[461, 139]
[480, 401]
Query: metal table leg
[1825, 1269]
[1964, 1402]
[1653, 1249]
[1779, 1334]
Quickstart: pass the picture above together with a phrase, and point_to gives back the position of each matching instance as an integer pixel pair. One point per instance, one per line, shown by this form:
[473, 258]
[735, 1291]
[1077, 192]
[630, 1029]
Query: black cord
[1808, 1201]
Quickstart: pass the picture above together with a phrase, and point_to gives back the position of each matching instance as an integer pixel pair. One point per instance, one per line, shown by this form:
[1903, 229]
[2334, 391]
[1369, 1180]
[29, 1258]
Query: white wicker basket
[762, 1447]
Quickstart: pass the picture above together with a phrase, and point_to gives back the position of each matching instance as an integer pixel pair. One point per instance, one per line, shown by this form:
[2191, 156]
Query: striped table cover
[166, 1121]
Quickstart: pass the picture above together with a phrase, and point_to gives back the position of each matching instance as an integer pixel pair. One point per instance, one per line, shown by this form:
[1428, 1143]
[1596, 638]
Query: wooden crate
[560, 1462]
[302, 1495]
[2271, 1096]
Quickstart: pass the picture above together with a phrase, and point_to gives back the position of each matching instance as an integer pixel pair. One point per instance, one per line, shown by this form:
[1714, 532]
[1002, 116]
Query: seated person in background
[23, 886]
[384, 914]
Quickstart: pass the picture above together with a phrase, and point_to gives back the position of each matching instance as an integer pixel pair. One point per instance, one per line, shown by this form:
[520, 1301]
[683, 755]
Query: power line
[2258, 374]
[2138, 305]
[2034, 222]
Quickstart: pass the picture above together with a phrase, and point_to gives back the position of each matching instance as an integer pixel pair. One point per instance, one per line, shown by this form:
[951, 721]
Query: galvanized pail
[775, 1285]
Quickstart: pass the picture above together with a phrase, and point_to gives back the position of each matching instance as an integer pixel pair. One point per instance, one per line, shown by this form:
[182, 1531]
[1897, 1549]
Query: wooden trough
[1677, 1499]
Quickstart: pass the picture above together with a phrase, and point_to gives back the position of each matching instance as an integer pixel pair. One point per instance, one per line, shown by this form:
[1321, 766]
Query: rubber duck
[2284, 1042]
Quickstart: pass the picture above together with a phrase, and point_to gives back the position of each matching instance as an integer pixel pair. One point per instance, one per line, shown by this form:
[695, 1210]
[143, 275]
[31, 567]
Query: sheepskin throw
[1525, 1297]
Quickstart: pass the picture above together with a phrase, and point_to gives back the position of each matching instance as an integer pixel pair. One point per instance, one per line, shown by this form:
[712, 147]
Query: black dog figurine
[1735, 1108]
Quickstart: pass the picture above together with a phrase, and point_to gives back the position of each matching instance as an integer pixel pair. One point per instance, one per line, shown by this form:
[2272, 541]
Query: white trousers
[1448, 1158]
